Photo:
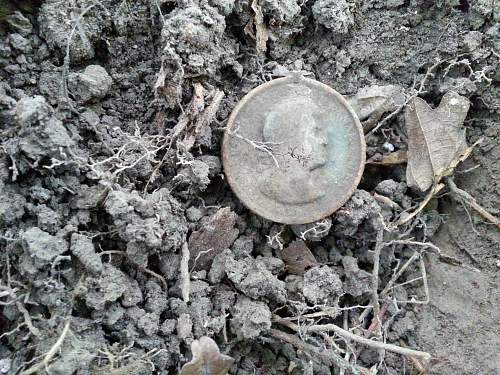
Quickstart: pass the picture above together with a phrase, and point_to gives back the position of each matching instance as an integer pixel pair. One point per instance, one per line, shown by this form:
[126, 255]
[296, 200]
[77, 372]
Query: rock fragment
[334, 15]
[322, 286]
[217, 234]
[107, 287]
[357, 281]
[252, 277]
[11, 207]
[250, 318]
[83, 248]
[90, 85]
[42, 247]
[40, 135]
[280, 11]
[56, 19]
[19, 23]
[361, 209]
[19, 43]
[298, 258]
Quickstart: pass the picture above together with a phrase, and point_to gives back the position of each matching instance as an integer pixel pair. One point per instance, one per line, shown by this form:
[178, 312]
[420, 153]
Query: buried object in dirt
[294, 150]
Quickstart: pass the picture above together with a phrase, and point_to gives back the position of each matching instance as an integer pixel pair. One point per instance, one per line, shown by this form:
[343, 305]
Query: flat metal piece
[294, 150]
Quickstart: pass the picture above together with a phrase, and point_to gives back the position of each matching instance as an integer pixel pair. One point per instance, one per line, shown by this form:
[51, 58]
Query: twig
[8, 238]
[154, 274]
[387, 201]
[346, 327]
[184, 270]
[19, 326]
[50, 353]
[362, 340]
[402, 106]
[326, 337]
[27, 319]
[330, 312]
[328, 357]
[398, 274]
[462, 196]
[429, 245]
[376, 263]
[376, 324]
[436, 188]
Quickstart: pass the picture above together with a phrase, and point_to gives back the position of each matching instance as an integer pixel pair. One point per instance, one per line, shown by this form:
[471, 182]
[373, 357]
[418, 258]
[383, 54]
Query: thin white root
[266, 147]
[50, 354]
[184, 269]
[27, 319]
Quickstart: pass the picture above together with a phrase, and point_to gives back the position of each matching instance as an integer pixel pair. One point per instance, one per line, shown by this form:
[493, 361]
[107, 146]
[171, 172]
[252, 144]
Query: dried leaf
[298, 258]
[202, 129]
[374, 101]
[261, 33]
[436, 138]
[170, 77]
[207, 359]
[248, 29]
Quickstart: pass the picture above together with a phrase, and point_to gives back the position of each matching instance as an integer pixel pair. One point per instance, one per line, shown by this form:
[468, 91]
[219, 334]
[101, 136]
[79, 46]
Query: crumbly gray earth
[111, 119]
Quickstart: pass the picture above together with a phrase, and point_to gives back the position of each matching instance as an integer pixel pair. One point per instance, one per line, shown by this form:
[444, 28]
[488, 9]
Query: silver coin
[294, 150]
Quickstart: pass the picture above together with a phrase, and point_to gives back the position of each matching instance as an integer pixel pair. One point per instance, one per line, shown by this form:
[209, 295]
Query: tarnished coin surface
[294, 150]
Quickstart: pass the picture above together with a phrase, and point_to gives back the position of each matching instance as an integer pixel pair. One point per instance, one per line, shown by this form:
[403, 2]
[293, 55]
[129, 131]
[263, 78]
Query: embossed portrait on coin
[300, 146]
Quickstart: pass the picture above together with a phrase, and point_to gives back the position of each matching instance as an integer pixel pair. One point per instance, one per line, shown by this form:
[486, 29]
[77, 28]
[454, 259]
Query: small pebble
[5, 365]
[389, 147]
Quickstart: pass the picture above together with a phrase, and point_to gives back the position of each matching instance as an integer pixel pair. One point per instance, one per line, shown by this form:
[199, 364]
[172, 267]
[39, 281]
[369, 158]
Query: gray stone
[194, 214]
[149, 323]
[40, 133]
[250, 318]
[322, 286]
[394, 3]
[357, 281]
[242, 247]
[31, 111]
[42, 247]
[11, 207]
[252, 277]
[132, 294]
[48, 219]
[280, 10]
[20, 24]
[83, 248]
[107, 287]
[90, 85]
[19, 43]
[53, 17]
[168, 327]
[334, 15]
[472, 40]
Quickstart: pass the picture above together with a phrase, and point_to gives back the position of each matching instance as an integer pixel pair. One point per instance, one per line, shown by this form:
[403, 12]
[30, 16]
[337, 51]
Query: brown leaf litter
[207, 359]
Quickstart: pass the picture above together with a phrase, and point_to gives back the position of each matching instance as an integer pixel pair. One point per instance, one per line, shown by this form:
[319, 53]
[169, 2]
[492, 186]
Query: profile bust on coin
[294, 150]
[300, 148]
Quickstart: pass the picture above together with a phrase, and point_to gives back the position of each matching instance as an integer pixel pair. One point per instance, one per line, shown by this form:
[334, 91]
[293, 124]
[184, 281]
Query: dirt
[111, 118]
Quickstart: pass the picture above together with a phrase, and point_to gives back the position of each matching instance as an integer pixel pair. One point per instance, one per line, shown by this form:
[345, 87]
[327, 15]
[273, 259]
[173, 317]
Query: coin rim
[225, 145]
